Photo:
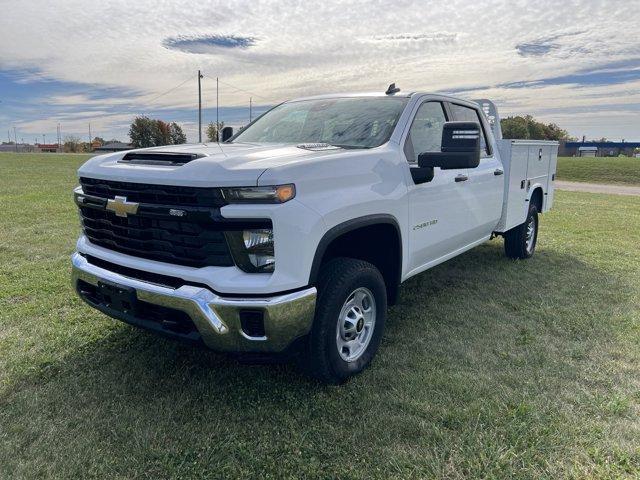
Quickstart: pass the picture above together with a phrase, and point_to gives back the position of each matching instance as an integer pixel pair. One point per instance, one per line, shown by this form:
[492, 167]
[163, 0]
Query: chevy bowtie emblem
[121, 207]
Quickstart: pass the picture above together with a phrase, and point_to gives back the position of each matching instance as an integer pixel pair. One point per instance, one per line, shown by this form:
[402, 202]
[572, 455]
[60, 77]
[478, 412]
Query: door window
[467, 114]
[425, 134]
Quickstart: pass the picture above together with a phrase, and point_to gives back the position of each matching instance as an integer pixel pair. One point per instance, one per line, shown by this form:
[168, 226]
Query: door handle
[461, 178]
[498, 172]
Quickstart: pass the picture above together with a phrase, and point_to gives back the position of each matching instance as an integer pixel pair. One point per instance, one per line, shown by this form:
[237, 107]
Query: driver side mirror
[460, 147]
[227, 133]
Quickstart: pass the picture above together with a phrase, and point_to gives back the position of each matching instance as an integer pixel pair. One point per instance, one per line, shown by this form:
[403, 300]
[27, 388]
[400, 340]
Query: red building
[48, 147]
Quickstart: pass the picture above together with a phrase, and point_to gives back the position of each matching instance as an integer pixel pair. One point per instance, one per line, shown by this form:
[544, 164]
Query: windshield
[362, 122]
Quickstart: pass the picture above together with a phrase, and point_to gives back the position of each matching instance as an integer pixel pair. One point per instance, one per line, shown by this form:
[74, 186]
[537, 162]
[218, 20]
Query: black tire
[338, 279]
[516, 240]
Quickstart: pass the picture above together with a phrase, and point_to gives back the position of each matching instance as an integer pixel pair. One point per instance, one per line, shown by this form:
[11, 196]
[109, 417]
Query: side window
[425, 134]
[466, 114]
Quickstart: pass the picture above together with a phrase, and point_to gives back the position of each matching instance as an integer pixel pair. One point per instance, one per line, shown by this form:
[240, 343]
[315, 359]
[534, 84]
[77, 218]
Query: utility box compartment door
[543, 157]
[527, 165]
[515, 159]
[538, 166]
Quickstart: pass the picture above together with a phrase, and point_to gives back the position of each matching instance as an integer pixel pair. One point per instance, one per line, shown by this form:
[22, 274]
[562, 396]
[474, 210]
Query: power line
[130, 108]
[251, 95]
[242, 90]
[153, 99]
[168, 91]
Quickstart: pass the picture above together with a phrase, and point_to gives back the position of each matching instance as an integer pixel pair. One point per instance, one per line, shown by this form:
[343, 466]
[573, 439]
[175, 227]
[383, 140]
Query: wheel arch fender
[391, 270]
[536, 195]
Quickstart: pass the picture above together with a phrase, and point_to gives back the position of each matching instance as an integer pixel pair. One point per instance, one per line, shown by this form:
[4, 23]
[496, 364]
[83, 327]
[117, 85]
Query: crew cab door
[438, 207]
[486, 181]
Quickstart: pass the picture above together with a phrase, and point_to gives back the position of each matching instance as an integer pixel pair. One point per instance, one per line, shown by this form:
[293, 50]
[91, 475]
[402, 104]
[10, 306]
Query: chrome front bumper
[217, 319]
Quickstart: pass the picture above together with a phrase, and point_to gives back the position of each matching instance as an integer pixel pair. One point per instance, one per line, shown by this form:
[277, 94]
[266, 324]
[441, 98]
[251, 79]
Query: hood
[233, 164]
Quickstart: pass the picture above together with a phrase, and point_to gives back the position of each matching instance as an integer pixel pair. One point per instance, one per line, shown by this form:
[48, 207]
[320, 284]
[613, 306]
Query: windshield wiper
[347, 147]
[327, 146]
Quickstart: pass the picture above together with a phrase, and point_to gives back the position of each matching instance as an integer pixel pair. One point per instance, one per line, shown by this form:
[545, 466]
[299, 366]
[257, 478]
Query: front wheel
[520, 241]
[349, 321]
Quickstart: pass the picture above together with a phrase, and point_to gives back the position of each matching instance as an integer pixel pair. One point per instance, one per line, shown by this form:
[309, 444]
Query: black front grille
[155, 194]
[177, 242]
[194, 240]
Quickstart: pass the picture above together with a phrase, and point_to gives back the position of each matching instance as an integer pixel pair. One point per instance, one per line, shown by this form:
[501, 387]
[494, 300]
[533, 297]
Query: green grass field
[489, 368]
[615, 170]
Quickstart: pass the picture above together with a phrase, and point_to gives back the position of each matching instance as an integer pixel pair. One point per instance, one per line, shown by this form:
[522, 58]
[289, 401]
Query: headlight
[272, 194]
[252, 250]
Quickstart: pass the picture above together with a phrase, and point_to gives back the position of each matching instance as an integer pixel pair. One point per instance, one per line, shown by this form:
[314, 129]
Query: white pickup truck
[294, 235]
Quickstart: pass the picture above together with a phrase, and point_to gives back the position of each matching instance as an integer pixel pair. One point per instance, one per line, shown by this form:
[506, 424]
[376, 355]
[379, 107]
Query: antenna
[217, 114]
[392, 89]
[199, 108]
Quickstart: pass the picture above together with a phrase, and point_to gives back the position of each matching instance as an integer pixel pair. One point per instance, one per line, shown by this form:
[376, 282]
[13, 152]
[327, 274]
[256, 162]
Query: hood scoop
[317, 146]
[159, 158]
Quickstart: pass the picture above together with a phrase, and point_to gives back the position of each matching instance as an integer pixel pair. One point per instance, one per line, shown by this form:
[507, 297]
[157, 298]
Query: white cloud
[315, 47]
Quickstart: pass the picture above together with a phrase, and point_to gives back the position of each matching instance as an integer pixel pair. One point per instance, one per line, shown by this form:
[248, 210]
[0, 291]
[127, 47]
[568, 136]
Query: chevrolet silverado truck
[294, 235]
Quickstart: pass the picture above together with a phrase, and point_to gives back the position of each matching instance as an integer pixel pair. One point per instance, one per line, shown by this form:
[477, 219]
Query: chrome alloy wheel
[531, 233]
[356, 322]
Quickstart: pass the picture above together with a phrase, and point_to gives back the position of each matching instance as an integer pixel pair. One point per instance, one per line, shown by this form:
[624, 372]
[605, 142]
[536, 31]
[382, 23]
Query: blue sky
[35, 105]
[575, 63]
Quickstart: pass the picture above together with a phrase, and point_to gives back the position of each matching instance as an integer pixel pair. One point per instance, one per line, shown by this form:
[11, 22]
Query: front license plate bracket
[118, 297]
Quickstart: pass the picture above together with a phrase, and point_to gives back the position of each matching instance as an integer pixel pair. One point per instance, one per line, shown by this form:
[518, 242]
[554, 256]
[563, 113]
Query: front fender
[349, 226]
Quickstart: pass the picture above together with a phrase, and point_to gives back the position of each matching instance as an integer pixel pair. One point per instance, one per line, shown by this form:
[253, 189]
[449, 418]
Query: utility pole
[15, 138]
[89, 136]
[250, 106]
[217, 114]
[199, 107]
[44, 138]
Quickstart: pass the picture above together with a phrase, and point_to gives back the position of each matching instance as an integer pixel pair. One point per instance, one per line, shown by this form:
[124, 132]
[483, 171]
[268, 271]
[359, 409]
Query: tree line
[527, 128]
[73, 144]
[147, 132]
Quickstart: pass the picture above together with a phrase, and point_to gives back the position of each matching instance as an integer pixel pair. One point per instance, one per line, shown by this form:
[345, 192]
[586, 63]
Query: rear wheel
[520, 242]
[349, 321]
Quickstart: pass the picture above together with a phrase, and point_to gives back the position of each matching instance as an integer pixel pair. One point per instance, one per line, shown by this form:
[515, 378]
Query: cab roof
[373, 94]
